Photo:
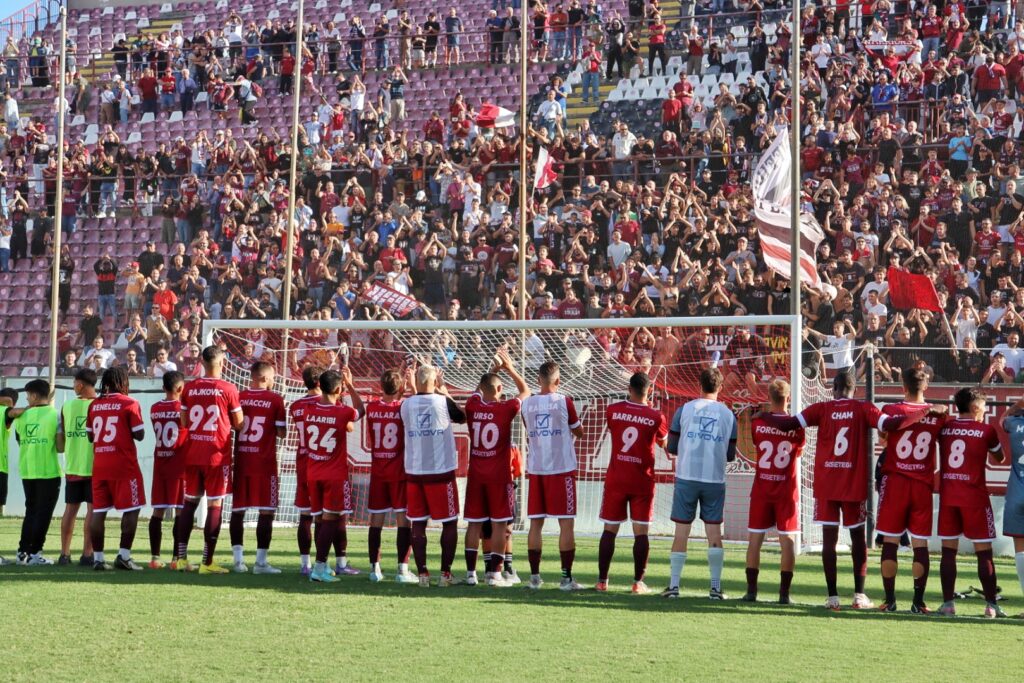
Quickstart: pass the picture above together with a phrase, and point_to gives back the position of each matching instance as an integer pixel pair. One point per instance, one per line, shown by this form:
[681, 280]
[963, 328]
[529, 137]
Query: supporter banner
[493, 116]
[397, 304]
[543, 174]
[877, 48]
[908, 290]
[772, 208]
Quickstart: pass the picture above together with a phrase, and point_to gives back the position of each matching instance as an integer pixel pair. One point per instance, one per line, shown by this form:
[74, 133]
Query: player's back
[490, 436]
[263, 412]
[549, 419]
[208, 404]
[170, 437]
[705, 428]
[387, 445]
[1015, 484]
[841, 459]
[776, 457]
[910, 452]
[635, 428]
[78, 452]
[964, 446]
[113, 421]
[296, 411]
[326, 426]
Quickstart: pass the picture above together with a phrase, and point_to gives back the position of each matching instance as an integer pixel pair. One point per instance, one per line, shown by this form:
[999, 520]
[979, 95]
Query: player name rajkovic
[208, 391]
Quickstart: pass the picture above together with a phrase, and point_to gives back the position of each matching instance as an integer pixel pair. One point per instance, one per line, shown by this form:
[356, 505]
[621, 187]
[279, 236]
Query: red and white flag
[773, 200]
[543, 173]
[493, 116]
[396, 303]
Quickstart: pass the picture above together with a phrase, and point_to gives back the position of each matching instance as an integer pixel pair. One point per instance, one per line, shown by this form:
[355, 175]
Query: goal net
[596, 358]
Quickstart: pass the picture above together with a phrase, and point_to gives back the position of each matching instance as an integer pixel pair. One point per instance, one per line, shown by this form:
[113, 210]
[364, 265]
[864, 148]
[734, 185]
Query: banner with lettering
[396, 303]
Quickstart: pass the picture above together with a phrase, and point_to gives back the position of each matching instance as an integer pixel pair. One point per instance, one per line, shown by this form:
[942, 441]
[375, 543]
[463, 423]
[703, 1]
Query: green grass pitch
[71, 624]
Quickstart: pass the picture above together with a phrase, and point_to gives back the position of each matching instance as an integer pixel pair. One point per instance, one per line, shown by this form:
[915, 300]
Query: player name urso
[635, 419]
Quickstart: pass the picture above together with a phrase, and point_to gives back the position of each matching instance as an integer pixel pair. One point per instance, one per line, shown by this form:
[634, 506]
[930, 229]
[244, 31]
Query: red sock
[752, 574]
[987, 575]
[373, 541]
[568, 557]
[830, 537]
[889, 554]
[534, 557]
[183, 527]
[419, 545]
[947, 574]
[325, 532]
[449, 544]
[605, 551]
[859, 554]
[403, 542]
[341, 538]
[210, 534]
[641, 551]
[304, 534]
[921, 582]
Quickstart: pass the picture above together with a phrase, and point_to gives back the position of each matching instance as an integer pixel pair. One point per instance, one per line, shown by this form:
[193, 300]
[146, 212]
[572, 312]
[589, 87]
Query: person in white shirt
[873, 306]
[622, 147]
[551, 423]
[1013, 353]
[618, 251]
[837, 348]
[96, 357]
[160, 365]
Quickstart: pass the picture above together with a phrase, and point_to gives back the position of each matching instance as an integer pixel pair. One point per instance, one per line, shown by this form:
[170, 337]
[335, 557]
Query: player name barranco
[635, 419]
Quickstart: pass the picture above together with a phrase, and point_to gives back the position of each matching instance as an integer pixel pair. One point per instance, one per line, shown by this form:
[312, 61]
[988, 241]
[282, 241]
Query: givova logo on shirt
[542, 426]
[705, 430]
[425, 426]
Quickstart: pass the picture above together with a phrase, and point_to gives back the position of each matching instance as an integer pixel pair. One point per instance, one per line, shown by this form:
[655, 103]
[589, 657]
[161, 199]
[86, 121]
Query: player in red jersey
[256, 485]
[210, 412]
[311, 378]
[113, 426]
[327, 424]
[905, 490]
[841, 475]
[635, 428]
[774, 497]
[387, 475]
[964, 506]
[490, 494]
[168, 488]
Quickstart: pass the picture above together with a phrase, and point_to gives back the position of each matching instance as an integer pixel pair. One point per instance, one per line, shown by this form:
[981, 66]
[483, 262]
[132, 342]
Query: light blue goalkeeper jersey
[705, 429]
[1015, 484]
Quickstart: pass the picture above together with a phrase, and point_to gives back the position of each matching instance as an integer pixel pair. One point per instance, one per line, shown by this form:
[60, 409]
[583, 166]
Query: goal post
[597, 356]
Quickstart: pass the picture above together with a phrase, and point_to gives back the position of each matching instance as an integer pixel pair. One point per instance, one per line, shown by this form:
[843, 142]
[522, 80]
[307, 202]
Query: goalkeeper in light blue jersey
[1013, 509]
[703, 435]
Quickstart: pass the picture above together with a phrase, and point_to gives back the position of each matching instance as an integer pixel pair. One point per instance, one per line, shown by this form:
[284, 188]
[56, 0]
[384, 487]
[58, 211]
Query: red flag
[398, 304]
[907, 290]
[543, 174]
[493, 116]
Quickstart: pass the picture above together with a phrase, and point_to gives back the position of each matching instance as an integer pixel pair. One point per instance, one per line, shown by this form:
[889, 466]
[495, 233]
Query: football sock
[261, 556]
[324, 538]
[183, 525]
[752, 574]
[471, 555]
[341, 542]
[236, 529]
[305, 535]
[304, 561]
[785, 581]
[676, 562]
[237, 552]
[889, 564]
[419, 545]
[859, 554]
[947, 574]
[124, 553]
[129, 524]
[922, 564]
[155, 535]
[987, 574]
[605, 551]
[534, 557]
[403, 542]
[449, 544]
[497, 560]
[373, 541]
[641, 551]
[508, 563]
[97, 556]
[716, 558]
[568, 557]
[830, 536]
[1019, 558]
[264, 532]
[97, 534]
[210, 534]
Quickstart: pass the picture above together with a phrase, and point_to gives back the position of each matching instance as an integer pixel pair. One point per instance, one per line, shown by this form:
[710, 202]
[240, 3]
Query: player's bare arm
[353, 394]
[509, 366]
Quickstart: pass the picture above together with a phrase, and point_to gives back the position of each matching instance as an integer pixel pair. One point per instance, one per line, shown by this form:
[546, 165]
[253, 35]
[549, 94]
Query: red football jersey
[841, 455]
[490, 438]
[911, 451]
[169, 454]
[776, 452]
[387, 444]
[326, 427]
[297, 410]
[634, 428]
[256, 445]
[964, 446]
[112, 422]
[207, 404]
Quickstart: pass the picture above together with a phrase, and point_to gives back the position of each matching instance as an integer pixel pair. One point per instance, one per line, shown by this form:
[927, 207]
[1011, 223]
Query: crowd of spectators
[910, 124]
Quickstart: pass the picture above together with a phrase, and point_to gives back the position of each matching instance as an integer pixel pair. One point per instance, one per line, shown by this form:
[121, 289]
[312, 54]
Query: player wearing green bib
[8, 397]
[73, 442]
[36, 430]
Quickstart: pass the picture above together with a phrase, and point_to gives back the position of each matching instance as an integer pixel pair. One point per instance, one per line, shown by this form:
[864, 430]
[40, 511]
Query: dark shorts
[77, 491]
[3, 488]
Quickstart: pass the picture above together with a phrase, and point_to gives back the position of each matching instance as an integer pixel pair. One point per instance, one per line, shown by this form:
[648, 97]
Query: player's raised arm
[353, 394]
[1015, 410]
[508, 365]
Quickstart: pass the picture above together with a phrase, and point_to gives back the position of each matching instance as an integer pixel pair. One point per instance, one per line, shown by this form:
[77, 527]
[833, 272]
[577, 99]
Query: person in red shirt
[149, 89]
[297, 410]
[774, 497]
[671, 112]
[168, 90]
[327, 424]
[490, 493]
[964, 506]
[989, 80]
[287, 73]
[210, 412]
[635, 427]
[113, 425]
[168, 487]
[656, 32]
[256, 484]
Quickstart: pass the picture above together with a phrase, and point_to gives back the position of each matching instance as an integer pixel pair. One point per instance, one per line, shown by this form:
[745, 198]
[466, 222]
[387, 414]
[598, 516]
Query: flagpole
[794, 217]
[58, 202]
[524, 60]
[290, 238]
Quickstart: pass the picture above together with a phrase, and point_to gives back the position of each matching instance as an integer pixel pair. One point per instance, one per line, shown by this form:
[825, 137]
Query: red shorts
[386, 496]
[332, 496]
[301, 486]
[438, 500]
[255, 493]
[214, 481]
[167, 492]
[617, 499]
[123, 495]
[552, 495]
[780, 514]
[826, 512]
[975, 522]
[904, 504]
[489, 501]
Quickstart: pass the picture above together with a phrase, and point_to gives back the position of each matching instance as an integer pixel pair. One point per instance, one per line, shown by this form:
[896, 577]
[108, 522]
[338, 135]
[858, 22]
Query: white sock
[716, 558]
[124, 554]
[375, 569]
[97, 557]
[261, 555]
[320, 567]
[403, 567]
[676, 562]
[304, 560]
[472, 573]
[1019, 557]
[236, 552]
[343, 561]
